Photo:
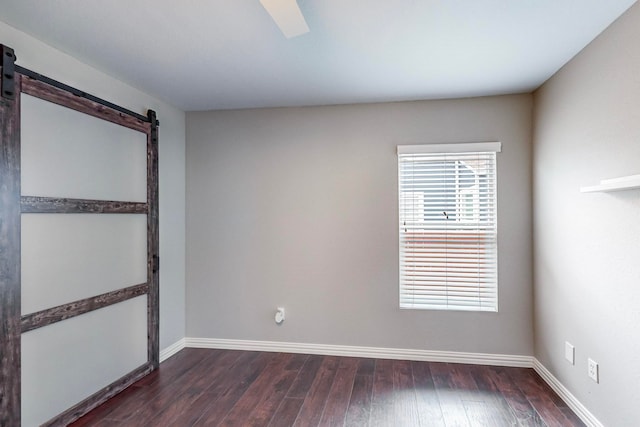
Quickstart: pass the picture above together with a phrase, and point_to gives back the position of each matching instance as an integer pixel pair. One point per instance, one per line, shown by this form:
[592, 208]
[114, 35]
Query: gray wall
[297, 208]
[44, 59]
[587, 246]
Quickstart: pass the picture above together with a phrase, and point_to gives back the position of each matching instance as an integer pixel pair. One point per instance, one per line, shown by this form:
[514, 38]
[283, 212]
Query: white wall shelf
[614, 184]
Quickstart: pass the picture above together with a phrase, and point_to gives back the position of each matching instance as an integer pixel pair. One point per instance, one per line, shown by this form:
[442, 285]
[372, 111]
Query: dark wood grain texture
[25, 72]
[10, 259]
[429, 410]
[490, 392]
[318, 392]
[454, 412]
[484, 406]
[303, 382]
[66, 99]
[360, 401]
[224, 384]
[520, 407]
[266, 409]
[158, 399]
[155, 387]
[199, 387]
[234, 388]
[98, 398]
[37, 204]
[183, 397]
[405, 404]
[541, 397]
[287, 413]
[66, 311]
[262, 398]
[337, 404]
[382, 395]
[153, 244]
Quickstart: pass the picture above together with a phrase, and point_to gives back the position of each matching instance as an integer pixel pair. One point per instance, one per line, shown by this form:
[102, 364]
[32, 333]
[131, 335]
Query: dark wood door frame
[16, 80]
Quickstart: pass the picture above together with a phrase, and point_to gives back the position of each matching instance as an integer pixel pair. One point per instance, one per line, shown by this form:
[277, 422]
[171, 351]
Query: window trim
[453, 149]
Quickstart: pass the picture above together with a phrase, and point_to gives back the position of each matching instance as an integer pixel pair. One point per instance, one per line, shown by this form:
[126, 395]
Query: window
[448, 226]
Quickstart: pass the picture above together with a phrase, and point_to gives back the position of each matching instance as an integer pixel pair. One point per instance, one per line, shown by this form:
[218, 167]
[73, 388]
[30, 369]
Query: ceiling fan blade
[287, 16]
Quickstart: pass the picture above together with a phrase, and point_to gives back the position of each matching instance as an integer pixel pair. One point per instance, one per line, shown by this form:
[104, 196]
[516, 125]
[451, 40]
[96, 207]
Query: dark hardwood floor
[198, 387]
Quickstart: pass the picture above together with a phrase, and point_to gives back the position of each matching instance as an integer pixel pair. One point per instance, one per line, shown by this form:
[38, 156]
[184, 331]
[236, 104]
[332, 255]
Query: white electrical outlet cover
[592, 370]
[569, 353]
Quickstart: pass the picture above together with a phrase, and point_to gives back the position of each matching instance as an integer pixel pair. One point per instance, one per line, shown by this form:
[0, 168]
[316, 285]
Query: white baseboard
[581, 411]
[172, 349]
[371, 352]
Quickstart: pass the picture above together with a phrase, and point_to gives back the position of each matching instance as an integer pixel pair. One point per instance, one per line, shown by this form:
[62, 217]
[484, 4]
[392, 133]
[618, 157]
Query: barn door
[78, 248]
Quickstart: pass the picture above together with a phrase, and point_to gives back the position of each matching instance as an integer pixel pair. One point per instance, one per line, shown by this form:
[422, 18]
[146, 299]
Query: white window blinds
[448, 226]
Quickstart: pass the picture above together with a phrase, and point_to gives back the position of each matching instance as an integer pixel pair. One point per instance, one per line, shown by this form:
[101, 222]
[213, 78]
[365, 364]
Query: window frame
[484, 208]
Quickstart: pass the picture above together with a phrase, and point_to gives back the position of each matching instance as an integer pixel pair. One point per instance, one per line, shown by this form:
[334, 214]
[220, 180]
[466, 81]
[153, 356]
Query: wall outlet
[569, 352]
[592, 367]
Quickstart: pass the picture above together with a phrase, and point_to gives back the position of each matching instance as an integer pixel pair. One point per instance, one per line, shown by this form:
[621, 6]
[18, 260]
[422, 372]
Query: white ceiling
[219, 54]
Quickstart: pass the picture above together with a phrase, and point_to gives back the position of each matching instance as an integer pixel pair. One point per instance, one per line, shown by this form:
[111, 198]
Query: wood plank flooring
[199, 387]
